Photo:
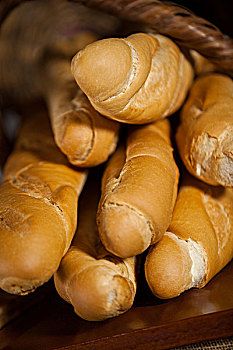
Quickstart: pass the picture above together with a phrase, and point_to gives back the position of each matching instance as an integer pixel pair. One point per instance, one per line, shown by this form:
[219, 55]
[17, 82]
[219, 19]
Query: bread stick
[205, 135]
[38, 208]
[97, 284]
[198, 243]
[139, 189]
[135, 80]
[86, 137]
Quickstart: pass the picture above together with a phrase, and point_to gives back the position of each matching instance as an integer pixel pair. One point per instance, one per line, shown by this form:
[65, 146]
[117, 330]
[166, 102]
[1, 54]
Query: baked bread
[205, 135]
[198, 243]
[86, 137]
[135, 80]
[139, 188]
[38, 208]
[97, 284]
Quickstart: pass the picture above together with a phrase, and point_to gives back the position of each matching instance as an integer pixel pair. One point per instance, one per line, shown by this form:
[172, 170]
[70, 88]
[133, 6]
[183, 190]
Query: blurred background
[218, 12]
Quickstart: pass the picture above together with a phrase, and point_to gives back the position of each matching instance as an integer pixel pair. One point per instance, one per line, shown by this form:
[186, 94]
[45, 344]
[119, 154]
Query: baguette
[205, 135]
[135, 80]
[97, 284]
[80, 132]
[198, 243]
[139, 189]
[38, 208]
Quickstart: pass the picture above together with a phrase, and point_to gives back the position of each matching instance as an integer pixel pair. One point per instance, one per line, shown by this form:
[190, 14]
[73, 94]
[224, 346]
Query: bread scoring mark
[149, 231]
[116, 261]
[130, 77]
[158, 82]
[219, 219]
[120, 299]
[212, 158]
[37, 188]
[32, 185]
[201, 156]
[146, 155]
[15, 221]
[199, 262]
[150, 91]
[84, 154]
[198, 257]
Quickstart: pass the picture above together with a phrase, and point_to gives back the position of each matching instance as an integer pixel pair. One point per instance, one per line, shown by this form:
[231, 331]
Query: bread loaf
[139, 189]
[198, 243]
[97, 284]
[135, 80]
[80, 132]
[205, 135]
[38, 208]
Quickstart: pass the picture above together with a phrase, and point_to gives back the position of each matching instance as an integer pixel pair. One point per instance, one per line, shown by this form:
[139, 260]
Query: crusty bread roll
[198, 244]
[139, 189]
[205, 135]
[86, 137]
[97, 284]
[135, 80]
[38, 208]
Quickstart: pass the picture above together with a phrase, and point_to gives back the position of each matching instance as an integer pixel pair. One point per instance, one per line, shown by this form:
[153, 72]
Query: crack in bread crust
[34, 187]
[219, 219]
[131, 75]
[198, 257]
[148, 223]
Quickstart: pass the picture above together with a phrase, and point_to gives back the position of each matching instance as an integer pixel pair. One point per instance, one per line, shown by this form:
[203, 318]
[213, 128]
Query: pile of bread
[109, 113]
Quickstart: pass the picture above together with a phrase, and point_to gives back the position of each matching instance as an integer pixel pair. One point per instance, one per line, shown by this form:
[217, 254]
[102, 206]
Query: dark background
[216, 11]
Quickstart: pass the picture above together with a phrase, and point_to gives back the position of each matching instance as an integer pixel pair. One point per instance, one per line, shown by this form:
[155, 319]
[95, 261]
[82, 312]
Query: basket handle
[177, 22]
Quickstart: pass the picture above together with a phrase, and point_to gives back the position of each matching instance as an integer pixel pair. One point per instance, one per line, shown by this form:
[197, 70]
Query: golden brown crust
[201, 227]
[38, 208]
[138, 191]
[205, 135]
[97, 284]
[86, 137]
[135, 80]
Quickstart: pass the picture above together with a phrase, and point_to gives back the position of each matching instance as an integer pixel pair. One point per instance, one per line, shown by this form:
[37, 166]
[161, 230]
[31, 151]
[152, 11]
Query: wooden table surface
[194, 316]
